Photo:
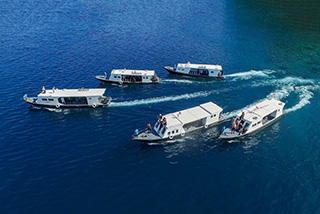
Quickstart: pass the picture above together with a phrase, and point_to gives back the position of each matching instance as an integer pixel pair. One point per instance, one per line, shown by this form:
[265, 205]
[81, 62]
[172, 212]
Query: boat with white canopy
[70, 98]
[196, 70]
[124, 76]
[179, 123]
[254, 119]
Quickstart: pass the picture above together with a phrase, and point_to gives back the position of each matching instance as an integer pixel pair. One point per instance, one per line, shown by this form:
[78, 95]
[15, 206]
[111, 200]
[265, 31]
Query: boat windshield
[199, 72]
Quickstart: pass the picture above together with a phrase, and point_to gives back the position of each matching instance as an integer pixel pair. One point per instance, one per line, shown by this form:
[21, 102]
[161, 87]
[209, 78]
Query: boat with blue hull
[124, 76]
[196, 70]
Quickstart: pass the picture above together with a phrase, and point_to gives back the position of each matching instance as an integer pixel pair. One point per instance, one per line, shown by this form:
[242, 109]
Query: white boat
[179, 123]
[254, 119]
[122, 76]
[70, 98]
[196, 70]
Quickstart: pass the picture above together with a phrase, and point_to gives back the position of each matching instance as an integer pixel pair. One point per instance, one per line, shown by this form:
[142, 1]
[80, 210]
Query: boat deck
[229, 134]
[146, 135]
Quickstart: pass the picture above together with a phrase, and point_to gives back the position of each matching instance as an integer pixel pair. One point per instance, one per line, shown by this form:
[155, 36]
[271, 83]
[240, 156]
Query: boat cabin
[188, 120]
[196, 70]
[130, 76]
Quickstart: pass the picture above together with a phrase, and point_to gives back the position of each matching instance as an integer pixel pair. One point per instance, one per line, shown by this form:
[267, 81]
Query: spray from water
[250, 74]
[305, 95]
[176, 81]
[161, 99]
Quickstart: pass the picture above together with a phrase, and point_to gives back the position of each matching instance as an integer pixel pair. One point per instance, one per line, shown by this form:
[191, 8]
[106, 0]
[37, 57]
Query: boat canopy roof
[203, 66]
[192, 114]
[262, 109]
[82, 92]
[133, 72]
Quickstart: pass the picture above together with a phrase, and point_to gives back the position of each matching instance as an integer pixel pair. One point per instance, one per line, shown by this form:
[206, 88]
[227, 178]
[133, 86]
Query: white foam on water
[176, 81]
[249, 74]
[305, 95]
[303, 87]
[160, 99]
[230, 114]
[282, 93]
[54, 109]
[292, 80]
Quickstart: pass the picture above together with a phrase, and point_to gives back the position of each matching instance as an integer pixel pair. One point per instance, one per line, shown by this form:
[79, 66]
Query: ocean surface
[84, 161]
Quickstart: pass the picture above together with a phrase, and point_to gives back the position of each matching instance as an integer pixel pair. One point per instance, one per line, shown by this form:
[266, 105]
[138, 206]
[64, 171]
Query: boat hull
[172, 70]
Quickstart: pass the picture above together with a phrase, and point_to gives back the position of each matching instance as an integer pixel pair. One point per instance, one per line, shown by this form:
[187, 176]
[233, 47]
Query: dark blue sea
[84, 161]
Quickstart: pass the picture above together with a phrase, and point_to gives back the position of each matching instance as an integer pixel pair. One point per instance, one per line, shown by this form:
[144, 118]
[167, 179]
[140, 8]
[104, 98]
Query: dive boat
[196, 70]
[122, 76]
[254, 119]
[179, 123]
[70, 98]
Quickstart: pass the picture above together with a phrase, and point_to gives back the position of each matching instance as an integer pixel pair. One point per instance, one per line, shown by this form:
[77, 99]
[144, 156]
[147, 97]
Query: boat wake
[250, 74]
[176, 81]
[287, 81]
[305, 95]
[230, 114]
[286, 86]
[303, 87]
[160, 99]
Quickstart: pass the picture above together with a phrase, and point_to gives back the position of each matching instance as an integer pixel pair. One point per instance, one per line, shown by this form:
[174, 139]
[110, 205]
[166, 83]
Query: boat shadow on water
[101, 112]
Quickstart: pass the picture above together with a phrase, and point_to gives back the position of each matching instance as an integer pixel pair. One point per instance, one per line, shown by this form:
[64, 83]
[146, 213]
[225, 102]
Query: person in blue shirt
[223, 129]
[136, 131]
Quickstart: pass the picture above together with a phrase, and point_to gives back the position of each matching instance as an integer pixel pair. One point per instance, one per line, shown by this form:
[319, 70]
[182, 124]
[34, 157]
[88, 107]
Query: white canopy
[192, 114]
[73, 92]
[133, 72]
[200, 66]
[262, 109]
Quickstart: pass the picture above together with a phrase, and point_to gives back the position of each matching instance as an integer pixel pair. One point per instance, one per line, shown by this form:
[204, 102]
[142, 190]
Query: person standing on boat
[149, 127]
[242, 116]
[25, 97]
[160, 117]
[223, 130]
[234, 126]
[164, 121]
